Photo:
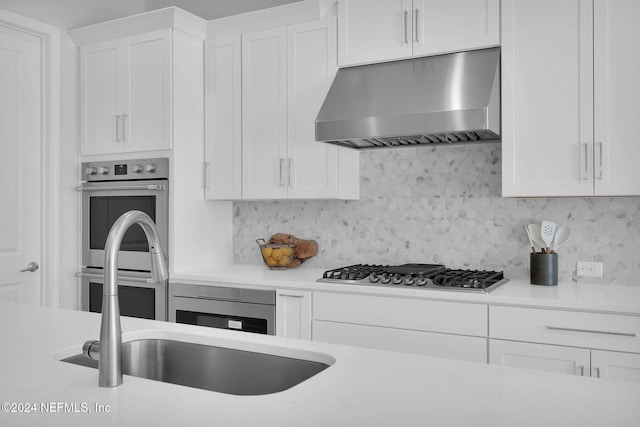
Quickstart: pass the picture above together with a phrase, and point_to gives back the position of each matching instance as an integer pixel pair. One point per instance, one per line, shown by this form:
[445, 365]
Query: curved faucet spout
[110, 364]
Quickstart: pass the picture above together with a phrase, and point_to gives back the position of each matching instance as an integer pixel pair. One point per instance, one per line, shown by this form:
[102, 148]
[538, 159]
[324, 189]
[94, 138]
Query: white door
[613, 365]
[101, 121]
[616, 69]
[540, 357]
[20, 163]
[547, 98]
[452, 25]
[312, 166]
[146, 97]
[264, 114]
[374, 30]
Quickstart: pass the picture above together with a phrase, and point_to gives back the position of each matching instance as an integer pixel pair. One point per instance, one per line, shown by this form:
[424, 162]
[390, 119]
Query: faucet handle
[91, 349]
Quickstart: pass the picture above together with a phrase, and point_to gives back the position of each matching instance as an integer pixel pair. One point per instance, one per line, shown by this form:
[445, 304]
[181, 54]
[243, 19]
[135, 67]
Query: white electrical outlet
[591, 269]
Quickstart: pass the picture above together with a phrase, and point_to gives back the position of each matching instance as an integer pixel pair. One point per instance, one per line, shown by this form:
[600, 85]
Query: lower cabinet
[611, 365]
[598, 345]
[473, 349]
[541, 357]
[433, 328]
[293, 314]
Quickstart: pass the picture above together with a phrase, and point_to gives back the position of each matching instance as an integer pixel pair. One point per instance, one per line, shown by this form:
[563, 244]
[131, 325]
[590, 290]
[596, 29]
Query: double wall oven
[109, 189]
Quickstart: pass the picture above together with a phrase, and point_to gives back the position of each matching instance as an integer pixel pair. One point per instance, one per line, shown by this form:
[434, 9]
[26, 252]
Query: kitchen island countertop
[582, 295]
[363, 387]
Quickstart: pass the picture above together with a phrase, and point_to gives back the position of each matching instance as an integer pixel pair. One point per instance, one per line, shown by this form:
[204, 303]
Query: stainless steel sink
[212, 368]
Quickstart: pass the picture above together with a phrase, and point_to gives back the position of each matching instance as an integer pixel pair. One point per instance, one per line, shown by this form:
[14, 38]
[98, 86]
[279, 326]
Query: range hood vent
[444, 99]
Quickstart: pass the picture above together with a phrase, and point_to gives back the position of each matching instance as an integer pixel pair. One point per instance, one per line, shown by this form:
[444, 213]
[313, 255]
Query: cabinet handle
[118, 118]
[600, 164]
[591, 331]
[205, 175]
[404, 24]
[595, 371]
[415, 27]
[125, 118]
[289, 168]
[584, 161]
[580, 370]
[281, 172]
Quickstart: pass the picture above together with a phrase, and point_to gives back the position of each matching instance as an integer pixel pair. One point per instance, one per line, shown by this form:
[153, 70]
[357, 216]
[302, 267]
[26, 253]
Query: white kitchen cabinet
[550, 358]
[472, 349]
[286, 74]
[568, 92]
[617, 366]
[435, 328]
[125, 94]
[383, 30]
[293, 314]
[223, 125]
[578, 343]
[264, 114]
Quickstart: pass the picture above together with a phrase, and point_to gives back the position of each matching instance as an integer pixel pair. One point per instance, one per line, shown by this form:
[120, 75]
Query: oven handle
[127, 279]
[158, 187]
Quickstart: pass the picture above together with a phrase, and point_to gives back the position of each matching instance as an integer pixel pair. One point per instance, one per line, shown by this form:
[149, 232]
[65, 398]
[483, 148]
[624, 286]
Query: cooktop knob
[136, 168]
[150, 168]
[103, 170]
[91, 171]
[385, 278]
[421, 281]
[397, 279]
[374, 278]
[409, 280]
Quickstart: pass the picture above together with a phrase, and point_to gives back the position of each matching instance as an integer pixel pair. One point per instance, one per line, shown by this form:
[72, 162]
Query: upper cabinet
[382, 30]
[125, 98]
[129, 73]
[568, 96]
[264, 91]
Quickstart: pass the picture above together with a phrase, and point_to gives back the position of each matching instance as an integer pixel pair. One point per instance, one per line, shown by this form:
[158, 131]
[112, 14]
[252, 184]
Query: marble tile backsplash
[443, 205]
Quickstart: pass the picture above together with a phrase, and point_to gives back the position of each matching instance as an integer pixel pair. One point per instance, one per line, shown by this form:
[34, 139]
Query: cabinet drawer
[419, 315]
[473, 349]
[569, 328]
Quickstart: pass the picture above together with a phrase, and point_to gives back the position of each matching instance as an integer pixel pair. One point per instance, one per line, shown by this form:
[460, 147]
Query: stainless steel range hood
[444, 99]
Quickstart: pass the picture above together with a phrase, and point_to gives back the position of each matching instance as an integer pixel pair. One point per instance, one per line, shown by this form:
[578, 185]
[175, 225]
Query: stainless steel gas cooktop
[423, 276]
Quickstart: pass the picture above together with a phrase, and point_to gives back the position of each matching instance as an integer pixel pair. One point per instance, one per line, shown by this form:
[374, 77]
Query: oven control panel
[121, 170]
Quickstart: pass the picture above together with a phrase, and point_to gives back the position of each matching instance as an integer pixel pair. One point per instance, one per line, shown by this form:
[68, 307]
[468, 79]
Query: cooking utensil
[548, 232]
[533, 249]
[561, 237]
[534, 230]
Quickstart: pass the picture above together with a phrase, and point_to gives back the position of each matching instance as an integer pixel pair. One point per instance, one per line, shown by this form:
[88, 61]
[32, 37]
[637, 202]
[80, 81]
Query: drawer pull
[580, 370]
[590, 331]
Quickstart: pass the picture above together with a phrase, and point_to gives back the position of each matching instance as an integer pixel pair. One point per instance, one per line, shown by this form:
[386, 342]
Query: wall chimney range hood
[444, 99]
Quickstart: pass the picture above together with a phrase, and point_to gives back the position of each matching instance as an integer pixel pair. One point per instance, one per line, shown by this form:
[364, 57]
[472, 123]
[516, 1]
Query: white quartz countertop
[621, 299]
[363, 388]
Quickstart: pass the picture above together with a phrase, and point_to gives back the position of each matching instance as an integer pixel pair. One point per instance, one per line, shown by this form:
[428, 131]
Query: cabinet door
[547, 98]
[293, 314]
[541, 357]
[615, 366]
[312, 166]
[374, 30]
[100, 119]
[147, 92]
[616, 70]
[473, 349]
[453, 25]
[264, 114]
[223, 124]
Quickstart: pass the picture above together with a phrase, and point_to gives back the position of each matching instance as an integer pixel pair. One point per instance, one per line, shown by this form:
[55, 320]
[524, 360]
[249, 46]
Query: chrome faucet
[109, 349]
